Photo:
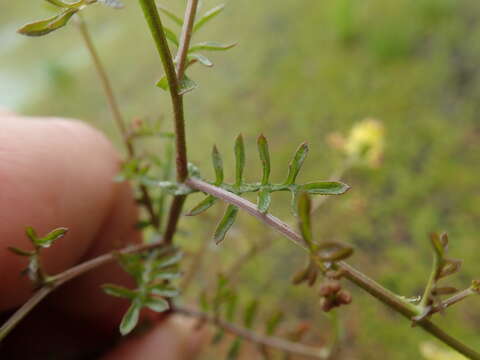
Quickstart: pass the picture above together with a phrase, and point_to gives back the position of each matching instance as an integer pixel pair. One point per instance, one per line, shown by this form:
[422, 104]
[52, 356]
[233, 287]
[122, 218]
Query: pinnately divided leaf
[44, 27]
[225, 224]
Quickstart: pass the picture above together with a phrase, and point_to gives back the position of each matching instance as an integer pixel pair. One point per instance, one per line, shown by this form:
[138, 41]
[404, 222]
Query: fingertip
[176, 338]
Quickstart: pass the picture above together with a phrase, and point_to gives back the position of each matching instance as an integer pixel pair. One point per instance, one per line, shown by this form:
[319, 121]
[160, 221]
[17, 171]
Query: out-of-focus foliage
[303, 70]
[430, 351]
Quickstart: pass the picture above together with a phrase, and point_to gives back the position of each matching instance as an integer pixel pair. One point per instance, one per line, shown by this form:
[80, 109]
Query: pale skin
[57, 172]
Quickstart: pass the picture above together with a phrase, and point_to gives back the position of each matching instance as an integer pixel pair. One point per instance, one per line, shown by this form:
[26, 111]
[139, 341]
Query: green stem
[431, 282]
[156, 28]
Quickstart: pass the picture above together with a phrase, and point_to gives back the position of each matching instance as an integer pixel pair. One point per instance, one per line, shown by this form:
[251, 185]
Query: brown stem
[355, 276]
[272, 342]
[452, 300]
[173, 217]
[185, 37]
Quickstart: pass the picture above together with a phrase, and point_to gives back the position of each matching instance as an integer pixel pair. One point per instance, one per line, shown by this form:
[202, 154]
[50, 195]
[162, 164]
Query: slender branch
[452, 300]
[115, 110]
[156, 28]
[58, 280]
[373, 288]
[185, 37]
[105, 81]
[273, 342]
[174, 77]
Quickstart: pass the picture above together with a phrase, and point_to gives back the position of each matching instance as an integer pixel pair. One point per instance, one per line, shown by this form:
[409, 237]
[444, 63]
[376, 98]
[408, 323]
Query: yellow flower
[365, 143]
[430, 351]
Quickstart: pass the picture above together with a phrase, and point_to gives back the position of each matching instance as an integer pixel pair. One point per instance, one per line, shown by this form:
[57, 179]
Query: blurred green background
[301, 71]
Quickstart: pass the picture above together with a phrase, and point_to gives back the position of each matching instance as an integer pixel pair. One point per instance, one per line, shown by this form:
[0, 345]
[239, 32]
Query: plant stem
[273, 342]
[452, 300]
[174, 76]
[372, 287]
[61, 278]
[117, 116]
[105, 81]
[185, 37]
[156, 28]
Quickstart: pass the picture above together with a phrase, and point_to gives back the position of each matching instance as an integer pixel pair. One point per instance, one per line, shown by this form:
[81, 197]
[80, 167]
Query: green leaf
[20, 252]
[450, 267]
[209, 15]
[186, 85]
[234, 350]
[177, 20]
[119, 291]
[225, 224]
[164, 290]
[163, 83]
[130, 319]
[170, 260]
[333, 251]
[217, 166]
[325, 188]
[31, 234]
[262, 144]
[51, 237]
[239, 159]
[304, 215]
[157, 304]
[264, 200]
[211, 46]
[168, 274]
[202, 206]
[437, 245]
[170, 35]
[114, 4]
[201, 59]
[296, 163]
[250, 314]
[43, 27]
